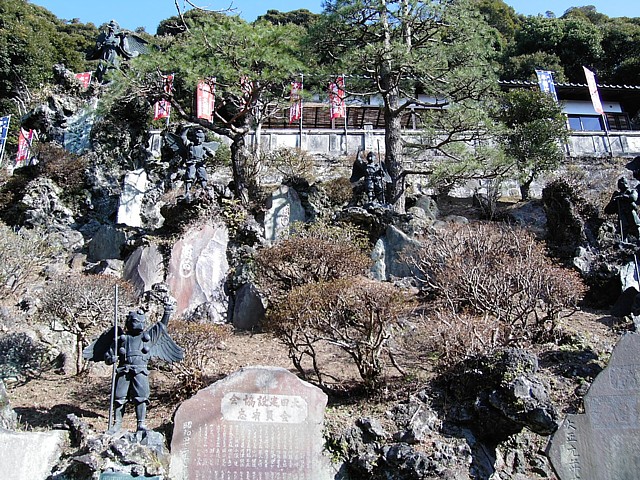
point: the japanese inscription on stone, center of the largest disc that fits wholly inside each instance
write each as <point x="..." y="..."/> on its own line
<point x="604" y="442"/>
<point x="261" y="423"/>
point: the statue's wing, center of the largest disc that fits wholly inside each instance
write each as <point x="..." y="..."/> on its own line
<point x="358" y="170"/>
<point x="136" y="45"/>
<point x="634" y="164"/>
<point x="211" y="146"/>
<point x="95" y="53"/>
<point x="165" y="348"/>
<point x="174" y="143"/>
<point x="96" y="351"/>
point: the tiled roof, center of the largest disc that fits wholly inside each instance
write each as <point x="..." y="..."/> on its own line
<point x="528" y="83"/>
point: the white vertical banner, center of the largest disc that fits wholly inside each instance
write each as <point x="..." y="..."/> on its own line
<point x="593" y="90"/>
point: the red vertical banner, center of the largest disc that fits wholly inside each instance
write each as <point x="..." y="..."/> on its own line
<point x="205" y="98"/>
<point x="295" y="110"/>
<point x="336" y="98"/>
<point x="85" y="78"/>
<point x="162" y="108"/>
<point x="24" y="146"/>
<point x="593" y="90"/>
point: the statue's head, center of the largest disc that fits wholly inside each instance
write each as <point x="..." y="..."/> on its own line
<point x="623" y="184"/>
<point x="113" y="26"/>
<point x="135" y="322"/>
<point x="196" y="135"/>
<point x="371" y="157"/>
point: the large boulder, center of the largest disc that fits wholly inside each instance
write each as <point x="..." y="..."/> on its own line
<point x="501" y="394"/>
<point x="144" y="268"/>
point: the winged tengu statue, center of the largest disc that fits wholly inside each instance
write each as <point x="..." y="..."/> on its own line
<point x="130" y="350"/>
<point x="114" y="44"/>
<point x="193" y="151"/>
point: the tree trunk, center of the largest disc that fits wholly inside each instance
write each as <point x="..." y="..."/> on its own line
<point x="238" y="169"/>
<point x="525" y="187"/>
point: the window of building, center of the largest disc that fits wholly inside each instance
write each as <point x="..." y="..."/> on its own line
<point x="593" y="123"/>
<point x="586" y="123"/>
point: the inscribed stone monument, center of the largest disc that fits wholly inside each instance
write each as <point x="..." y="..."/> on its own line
<point x="283" y="208"/>
<point x="198" y="271"/>
<point x="604" y="442"/>
<point x="260" y="423"/>
<point x="130" y="202"/>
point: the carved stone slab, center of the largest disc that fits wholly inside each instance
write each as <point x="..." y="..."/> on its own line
<point x="260" y="423"/>
<point x="130" y="202"/>
<point x="283" y="208"/>
<point x="604" y="442"/>
<point x="198" y="271"/>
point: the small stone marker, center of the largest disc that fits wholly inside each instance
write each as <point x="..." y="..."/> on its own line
<point x="260" y="423"/>
<point x="604" y="442"/>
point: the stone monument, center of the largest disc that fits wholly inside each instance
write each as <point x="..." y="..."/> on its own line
<point x="198" y="271"/>
<point x="604" y="442"/>
<point x="260" y="423"/>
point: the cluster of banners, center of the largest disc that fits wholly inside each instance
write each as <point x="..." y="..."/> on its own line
<point x="545" y="81"/>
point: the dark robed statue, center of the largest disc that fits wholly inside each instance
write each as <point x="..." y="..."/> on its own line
<point x="624" y="203"/>
<point x="132" y="350"/>
<point x="369" y="176"/>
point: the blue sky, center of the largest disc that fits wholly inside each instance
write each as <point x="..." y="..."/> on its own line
<point x="148" y="13"/>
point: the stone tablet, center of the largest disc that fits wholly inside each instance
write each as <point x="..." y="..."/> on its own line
<point x="283" y="208"/>
<point x="131" y="198"/>
<point x="604" y="442"/>
<point x="260" y="423"/>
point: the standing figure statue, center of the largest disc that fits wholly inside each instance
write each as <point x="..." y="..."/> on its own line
<point x="132" y="348"/>
<point x="194" y="159"/>
<point x="374" y="179"/>
<point x="369" y="176"/>
<point x="193" y="151"/>
<point x="624" y="203"/>
<point x="113" y="44"/>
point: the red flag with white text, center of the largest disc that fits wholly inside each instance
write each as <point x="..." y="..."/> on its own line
<point x="24" y="146"/>
<point x="295" y="110"/>
<point x="336" y="98"/>
<point x="162" y="107"/>
<point x="205" y="98"/>
<point x="85" y="78"/>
